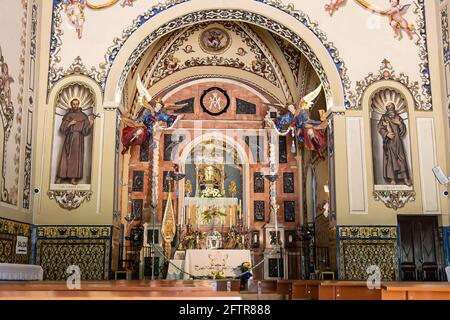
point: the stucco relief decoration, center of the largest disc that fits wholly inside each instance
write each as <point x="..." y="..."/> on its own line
<point x="184" y="50"/>
<point x="72" y="146"/>
<point x="70" y="199"/>
<point x="235" y="15"/>
<point x="6" y="103"/>
<point x="387" y="72"/>
<point x="391" y="149"/>
<point x="12" y="76"/>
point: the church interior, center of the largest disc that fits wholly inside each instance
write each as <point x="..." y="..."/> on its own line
<point x="245" y="149"/>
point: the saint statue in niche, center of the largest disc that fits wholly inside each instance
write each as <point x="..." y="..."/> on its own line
<point x="390" y="140"/>
<point x="75" y="126"/>
<point x="392" y="128"/>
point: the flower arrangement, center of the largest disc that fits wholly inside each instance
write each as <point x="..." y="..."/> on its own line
<point x="211" y="193"/>
<point x="217" y="275"/>
<point x="191" y="237"/>
<point x="246" y="267"/>
<point x="211" y="213"/>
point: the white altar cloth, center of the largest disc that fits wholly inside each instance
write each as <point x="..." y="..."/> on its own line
<point x="212" y="202"/>
<point x="175" y="270"/>
<point x="21" y="272"/>
<point x="201" y="263"/>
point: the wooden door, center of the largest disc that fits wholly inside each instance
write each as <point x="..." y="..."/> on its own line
<point x="418" y="243"/>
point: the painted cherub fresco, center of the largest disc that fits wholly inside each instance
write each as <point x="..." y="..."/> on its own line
<point x="155" y="113"/>
<point x="75" y="12"/>
<point x="128" y="3"/>
<point x="396" y="19"/>
<point x="296" y="119"/>
<point x="395" y="13"/>
<point x="334" y="5"/>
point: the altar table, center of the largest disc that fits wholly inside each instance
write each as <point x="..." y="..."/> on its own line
<point x="10" y="271"/>
<point x="202" y="263"/>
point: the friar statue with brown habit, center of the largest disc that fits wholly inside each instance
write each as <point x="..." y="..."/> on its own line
<point x="75" y="126"/>
<point x="392" y="129"/>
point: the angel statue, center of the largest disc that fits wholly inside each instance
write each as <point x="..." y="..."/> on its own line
<point x="294" y="119"/>
<point x="137" y="131"/>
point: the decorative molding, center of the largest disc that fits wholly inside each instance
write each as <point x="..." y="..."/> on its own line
<point x="76" y="68"/>
<point x="228" y="15"/>
<point x="367" y="232"/>
<point x="445" y="35"/>
<point x="70" y="199"/>
<point x="74" y="232"/>
<point x="15" y="227"/>
<point x="395" y="199"/>
<point x="385" y="73"/>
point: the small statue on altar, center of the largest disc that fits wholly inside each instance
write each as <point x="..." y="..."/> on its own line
<point x="296" y="119"/>
<point x="155" y="113"/>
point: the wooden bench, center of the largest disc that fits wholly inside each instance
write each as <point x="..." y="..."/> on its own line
<point x="415" y="291"/>
<point x="262" y="286"/>
<point x="116" y="295"/>
<point x="347" y="290"/>
<point x="306" y="289"/>
<point x="284" y="288"/>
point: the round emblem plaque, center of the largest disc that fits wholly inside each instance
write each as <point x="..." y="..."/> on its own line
<point x="215" y="101"/>
<point x="215" y="41"/>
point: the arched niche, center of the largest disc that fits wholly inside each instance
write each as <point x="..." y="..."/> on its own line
<point x="64" y="152"/>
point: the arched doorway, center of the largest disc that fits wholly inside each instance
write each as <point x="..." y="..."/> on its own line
<point x="252" y="70"/>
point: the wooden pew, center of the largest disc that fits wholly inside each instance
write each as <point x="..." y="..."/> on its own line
<point x="120" y="285"/>
<point x="415" y="291"/>
<point x="116" y="295"/>
<point x="347" y="290"/>
<point x="306" y="289"/>
<point x="284" y="288"/>
<point x="262" y="286"/>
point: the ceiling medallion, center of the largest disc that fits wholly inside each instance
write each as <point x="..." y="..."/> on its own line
<point x="215" y="40"/>
<point x="395" y="199"/>
<point x="215" y="101"/>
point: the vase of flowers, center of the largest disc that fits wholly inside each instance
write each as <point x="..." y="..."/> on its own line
<point x="211" y="193"/>
<point x="246" y="269"/>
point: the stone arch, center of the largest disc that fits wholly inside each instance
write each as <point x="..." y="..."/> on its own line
<point x="302" y="33"/>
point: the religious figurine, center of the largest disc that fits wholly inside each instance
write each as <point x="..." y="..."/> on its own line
<point x="392" y="129"/>
<point x="75" y="126"/>
<point x="396" y="19"/>
<point x="75" y="12"/>
<point x="137" y="130"/>
<point x="296" y="119"/>
<point x="333" y="6"/>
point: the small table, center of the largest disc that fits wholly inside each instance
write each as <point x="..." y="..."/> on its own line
<point x="10" y="271"/>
